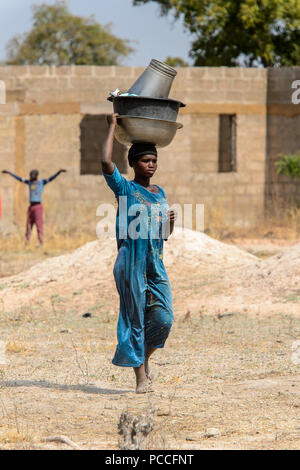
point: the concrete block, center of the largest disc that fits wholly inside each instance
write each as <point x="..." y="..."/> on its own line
<point x="9" y="109"/>
<point x="183" y="73"/>
<point x="233" y="96"/>
<point x="256" y="190"/>
<point x="104" y="71"/>
<point x="254" y="96"/>
<point x="15" y="71"/>
<point x="82" y="70"/>
<point x="63" y="70"/>
<point x="254" y="72"/>
<point x="216" y="72"/>
<point x="198" y="72"/>
<point x="233" y="72"/>
<point x="38" y="70"/>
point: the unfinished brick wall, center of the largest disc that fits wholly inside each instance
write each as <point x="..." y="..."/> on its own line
<point x="234" y="198"/>
<point x="283" y="125"/>
<point x="40" y="127"/>
<point x="8" y="153"/>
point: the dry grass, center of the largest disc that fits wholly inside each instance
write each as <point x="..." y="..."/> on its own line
<point x="14" y="437"/>
<point x="16" y="256"/>
<point x="283" y="223"/>
<point x="232" y="372"/>
<point x="55" y="241"/>
<point x="15" y="347"/>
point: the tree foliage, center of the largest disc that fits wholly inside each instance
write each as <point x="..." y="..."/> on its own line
<point x="59" y="38"/>
<point x="176" y="62"/>
<point x="239" y="32"/>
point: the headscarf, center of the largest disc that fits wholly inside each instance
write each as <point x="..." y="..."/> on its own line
<point x="139" y="149"/>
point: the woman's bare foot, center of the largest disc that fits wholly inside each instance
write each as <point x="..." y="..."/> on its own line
<point x="147" y="371"/>
<point x="143" y="386"/>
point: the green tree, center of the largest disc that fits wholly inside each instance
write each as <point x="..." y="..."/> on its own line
<point x="59" y="38"/>
<point x="176" y="62"/>
<point x="239" y="32"/>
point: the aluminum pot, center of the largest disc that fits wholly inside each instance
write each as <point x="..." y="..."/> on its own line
<point x="132" y="129"/>
<point x="155" y="81"/>
<point x="140" y="106"/>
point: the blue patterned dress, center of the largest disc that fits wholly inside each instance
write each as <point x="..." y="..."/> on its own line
<point x="146" y="312"/>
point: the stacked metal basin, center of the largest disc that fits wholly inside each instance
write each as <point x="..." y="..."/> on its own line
<point x="146" y="114"/>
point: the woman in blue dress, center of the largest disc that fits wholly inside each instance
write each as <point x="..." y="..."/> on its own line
<point x="143" y="222"/>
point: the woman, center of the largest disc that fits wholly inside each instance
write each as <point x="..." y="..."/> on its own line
<point x="146" y="312"/>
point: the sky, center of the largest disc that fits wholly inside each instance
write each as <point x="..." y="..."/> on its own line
<point x="154" y="37"/>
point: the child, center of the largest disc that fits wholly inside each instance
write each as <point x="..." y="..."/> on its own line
<point x="146" y="312"/>
<point x="35" y="209"/>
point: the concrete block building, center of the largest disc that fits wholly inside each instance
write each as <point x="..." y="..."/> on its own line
<point x="236" y="122"/>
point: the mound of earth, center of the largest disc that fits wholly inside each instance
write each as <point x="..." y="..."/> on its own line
<point x="214" y="276"/>
<point x="276" y="275"/>
<point x="185" y="247"/>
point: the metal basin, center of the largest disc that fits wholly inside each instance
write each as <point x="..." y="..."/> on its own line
<point x="155" y="81"/>
<point x="140" y="106"/>
<point x="132" y="129"/>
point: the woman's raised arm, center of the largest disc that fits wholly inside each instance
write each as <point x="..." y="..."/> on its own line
<point x="107" y="149"/>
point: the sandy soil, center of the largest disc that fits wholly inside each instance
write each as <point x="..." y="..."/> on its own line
<point x="231" y="362"/>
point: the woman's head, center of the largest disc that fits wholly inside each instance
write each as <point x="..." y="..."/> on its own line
<point x="142" y="158"/>
<point x="34" y="174"/>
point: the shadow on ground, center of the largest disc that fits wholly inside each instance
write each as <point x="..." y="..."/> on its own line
<point x="44" y="384"/>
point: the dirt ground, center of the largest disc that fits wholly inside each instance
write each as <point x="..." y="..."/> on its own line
<point x="228" y="378"/>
